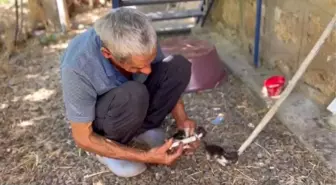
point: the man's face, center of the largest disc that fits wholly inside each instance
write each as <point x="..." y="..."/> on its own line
<point x="135" y="64"/>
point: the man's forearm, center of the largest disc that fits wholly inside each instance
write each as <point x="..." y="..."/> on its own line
<point x="179" y="113"/>
<point x="97" y="144"/>
<point x="107" y="148"/>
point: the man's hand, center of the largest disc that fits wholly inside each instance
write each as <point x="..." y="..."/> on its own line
<point x="159" y="155"/>
<point x="186" y="124"/>
<point x="189" y="127"/>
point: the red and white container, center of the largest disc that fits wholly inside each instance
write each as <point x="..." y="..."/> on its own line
<point x="273" y="86"/>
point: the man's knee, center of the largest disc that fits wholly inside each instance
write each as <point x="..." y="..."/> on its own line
<point x="135" y="88"/>
<point x="129" y="96"/>
<point x="121" y="111"/>
<point x="136" y="97"/>
<point x="180" y="69"/>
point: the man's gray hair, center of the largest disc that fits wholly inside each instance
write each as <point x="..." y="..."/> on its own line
<point x="126" y="32"/>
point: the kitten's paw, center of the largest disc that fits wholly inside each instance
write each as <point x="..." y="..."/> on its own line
<point x="222" y="161"/>
<point x="208" y="157"/>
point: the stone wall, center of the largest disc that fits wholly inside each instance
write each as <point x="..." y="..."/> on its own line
<point x="289" y="31"/>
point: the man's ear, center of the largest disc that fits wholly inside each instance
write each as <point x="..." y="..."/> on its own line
<point x="106" y="53"/>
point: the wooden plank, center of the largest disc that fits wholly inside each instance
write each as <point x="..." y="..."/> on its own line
<point x="175" y="29"/>
<point x="150" y="2"/>
<point x="63" y="15"/>
<point x="159" y="16"/>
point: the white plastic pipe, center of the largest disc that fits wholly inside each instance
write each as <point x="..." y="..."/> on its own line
<point x="186" y="140"/>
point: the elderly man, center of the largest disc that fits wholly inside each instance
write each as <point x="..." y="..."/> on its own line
<point x="118" y="87"/>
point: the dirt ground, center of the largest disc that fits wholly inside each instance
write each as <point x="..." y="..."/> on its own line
<point x="37" y="147"/>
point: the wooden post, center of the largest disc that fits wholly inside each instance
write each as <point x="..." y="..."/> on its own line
<point x="63" y="15"/>
<point x="91" y="4"/>
<point x="17" y="22"/>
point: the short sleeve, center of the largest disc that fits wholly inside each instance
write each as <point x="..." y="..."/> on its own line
<point x="79" y="97"/>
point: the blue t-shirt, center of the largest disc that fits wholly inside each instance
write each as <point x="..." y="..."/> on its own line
<point x="87" y="74"/>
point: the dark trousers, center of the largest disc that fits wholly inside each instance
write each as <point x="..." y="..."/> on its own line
<point x="133" y="107"/>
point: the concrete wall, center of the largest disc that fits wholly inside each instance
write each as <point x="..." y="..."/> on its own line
<point x="289" y="30"/>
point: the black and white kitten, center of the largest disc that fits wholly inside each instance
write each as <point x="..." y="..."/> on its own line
<point x="179" y="135"/>
<point x="212" y="151"/>
<point x="215" y="152"/>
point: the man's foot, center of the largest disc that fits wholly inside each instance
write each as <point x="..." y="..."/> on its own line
<point x="123" y="168"/>
<point x="152" y="138"/>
